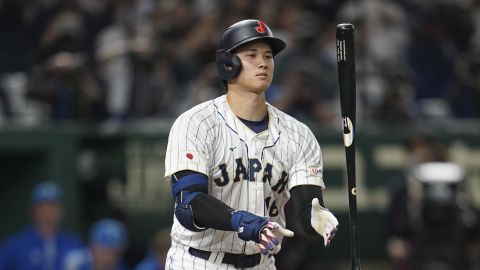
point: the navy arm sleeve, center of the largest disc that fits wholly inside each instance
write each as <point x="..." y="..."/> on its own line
<point x="302" y="197"/>
<point x="208" y="211"/>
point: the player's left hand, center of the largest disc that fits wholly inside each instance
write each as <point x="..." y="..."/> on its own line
<point x="269" y="236"/>
<point x="324" y="222"/>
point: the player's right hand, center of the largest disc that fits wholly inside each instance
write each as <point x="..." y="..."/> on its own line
<point x="251" y="227"/>
<point x="269" y="236"/>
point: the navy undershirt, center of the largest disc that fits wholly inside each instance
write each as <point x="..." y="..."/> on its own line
<point x="256" y="126"/>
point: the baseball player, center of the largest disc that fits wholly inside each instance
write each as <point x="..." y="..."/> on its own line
<point x="233" y="163"/>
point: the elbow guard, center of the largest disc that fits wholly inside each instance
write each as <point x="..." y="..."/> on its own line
<point x="184" y="191"/>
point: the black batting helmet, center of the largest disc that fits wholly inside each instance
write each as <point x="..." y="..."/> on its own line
<point x="228" y="64"/>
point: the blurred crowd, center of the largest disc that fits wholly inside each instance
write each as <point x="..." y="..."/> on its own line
<point x="96" y="60"/>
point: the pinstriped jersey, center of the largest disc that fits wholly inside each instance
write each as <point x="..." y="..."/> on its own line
<point x="246" y="170"/>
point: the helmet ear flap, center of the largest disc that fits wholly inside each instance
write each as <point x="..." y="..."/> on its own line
<point x="228" y="65"/>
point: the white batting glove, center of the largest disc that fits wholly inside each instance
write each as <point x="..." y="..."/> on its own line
<point x="323" y="221"/>
<point x="269" y="236"/>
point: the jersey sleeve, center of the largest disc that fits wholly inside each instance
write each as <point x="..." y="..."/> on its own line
<point x="307" y="166"/>
<point x="187" y="147"/>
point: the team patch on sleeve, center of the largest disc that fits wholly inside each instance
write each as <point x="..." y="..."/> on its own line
<point x="314" y="170"/>
<point x="189" y="156"/>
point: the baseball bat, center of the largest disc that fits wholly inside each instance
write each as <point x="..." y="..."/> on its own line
<point x="346" y="84"/>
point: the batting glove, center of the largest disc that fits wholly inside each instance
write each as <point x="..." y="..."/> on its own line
<point x="251" y="227"/>
<point x="324" y="222"/>
<point x="269" y="238"/>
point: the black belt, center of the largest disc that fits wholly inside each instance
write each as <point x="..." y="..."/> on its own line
<point x="237" y="260"/>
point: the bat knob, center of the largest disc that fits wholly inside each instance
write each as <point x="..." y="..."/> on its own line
<point x="345" y="26"/>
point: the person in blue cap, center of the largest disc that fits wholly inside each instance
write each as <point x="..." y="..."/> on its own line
<point x="107" y="243"/>
<point x="44" y="244"/>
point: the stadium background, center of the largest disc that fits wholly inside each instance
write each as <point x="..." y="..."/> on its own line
<point x="89" y="89"/>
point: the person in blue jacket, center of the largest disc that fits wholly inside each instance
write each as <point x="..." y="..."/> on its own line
<point x="44" y="244"/>
<point x="107" y="242"/>
<point x="156" y="257"/>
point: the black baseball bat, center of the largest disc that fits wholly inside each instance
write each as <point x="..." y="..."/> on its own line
<point x="346" y="84"/>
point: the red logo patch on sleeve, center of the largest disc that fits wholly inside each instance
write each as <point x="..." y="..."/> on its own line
<point x="315" y="170"/>
<point x="189" y="156"/>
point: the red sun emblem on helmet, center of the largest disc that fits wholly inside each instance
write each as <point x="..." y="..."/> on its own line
<point x="261" y="28"/>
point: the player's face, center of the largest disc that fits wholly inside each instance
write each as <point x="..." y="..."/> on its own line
<point x="257" y="66"/>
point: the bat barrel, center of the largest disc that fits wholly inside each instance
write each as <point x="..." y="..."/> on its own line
<point x="346" y="69"/>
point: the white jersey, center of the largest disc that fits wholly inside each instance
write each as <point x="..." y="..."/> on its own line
<point x="246" y="170"/>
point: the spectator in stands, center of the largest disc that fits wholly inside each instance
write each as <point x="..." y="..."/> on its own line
<point x="44" y="245"/>
<point x="21" y="23"/>
<point x="464" y="93"/>
<point x="63" y="80"/>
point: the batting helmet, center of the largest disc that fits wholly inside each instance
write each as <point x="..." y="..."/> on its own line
<point x="240" y="33"/>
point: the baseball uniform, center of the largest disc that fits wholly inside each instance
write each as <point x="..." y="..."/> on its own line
<point x="246" y="170"/>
